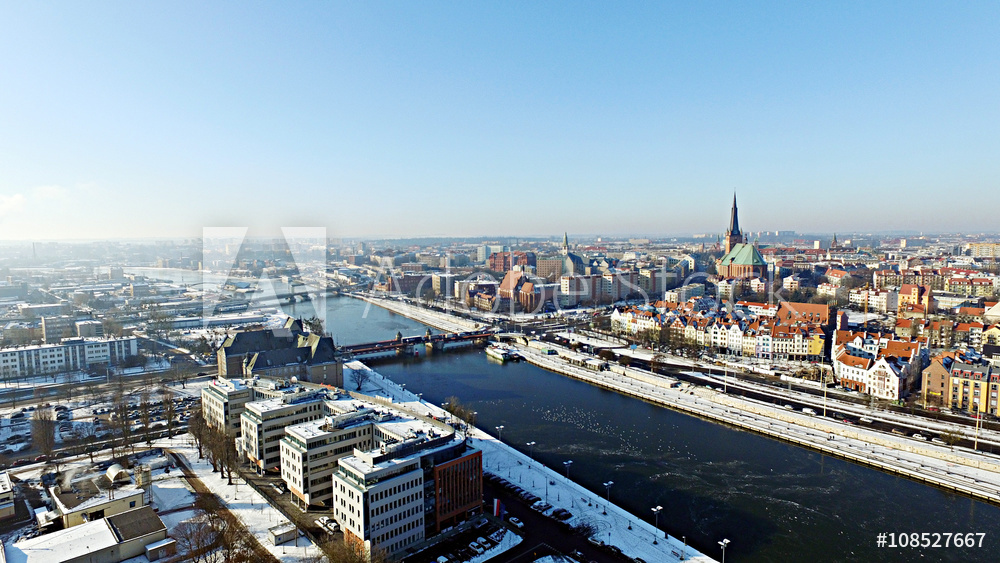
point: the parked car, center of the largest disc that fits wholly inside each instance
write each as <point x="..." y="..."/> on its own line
<point x="516" y="522"/>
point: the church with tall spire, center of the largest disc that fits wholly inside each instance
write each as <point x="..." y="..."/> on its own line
<point x="734" y="236"/>
<point x="741" y="259"/>
<point x="572" y="264"/>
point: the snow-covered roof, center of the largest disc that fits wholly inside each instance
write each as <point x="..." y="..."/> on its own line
<point x="62" y="545"/>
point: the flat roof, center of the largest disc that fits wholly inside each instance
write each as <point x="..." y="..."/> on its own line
<point x="63" y="545"/>
<point x="364" y="468"/>
<point x="309" y="430"/>
<point x="88" y="492"/>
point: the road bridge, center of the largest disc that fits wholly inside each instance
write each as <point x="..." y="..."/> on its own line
<point x="409" y="346"/>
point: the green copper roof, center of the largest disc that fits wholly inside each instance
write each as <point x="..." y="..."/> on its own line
<point x="743" y="255"/>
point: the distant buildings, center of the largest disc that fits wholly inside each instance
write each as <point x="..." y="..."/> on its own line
<point x="797" y="332"/>
<point x="504" y="261"/>
<point x="70" y="355"/>
<point x="984" y="249"/>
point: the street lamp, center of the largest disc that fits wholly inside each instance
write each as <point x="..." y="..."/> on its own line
<point x="531" y="447"/>
<point x="724" y="543"/>
<point x="499" y="432"/>
<point x="567" y="464"/>
<point x="656" y="522"/>
<point x="607" y="486"/>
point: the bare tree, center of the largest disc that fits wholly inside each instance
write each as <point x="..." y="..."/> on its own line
<point x="340" y="551"/>
<point x="951" y="437"/>
<point x="89" y="438"/>
<point x="43" y="431"/>
<point x="238" y="545"/>
<point x="169" y="408"/>
<point x="145" y="415"/>
<point x="230" y="457"/>
<point x="361" y="377"/>
<point x="196" y="539"/>
<point x="121" y="425"/>
<point x="199" y="430"/>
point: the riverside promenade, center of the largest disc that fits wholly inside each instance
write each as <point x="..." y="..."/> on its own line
<point x="961" y="470"/>
<point x="438" y="320"/>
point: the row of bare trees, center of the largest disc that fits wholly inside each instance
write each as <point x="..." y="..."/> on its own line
<point x="132" y="423"/>
<point x="215" y="445"/>
<point x="459" y="411"/>
<point x="219" y="449"/>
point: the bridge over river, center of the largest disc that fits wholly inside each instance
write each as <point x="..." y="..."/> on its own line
<point x="409" y="346"/>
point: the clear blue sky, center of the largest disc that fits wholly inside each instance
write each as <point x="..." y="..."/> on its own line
<point x="465" y="118"/>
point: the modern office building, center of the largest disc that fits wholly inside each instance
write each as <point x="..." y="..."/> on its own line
<point x="309" y="451"/>
<point x="263" y="424"/>
<point x="416" y="481"/>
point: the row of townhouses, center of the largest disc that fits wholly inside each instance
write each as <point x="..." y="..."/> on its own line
<point x="789" y="331"/>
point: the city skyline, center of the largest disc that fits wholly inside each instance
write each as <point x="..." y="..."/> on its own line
<point x="392" y="120"/>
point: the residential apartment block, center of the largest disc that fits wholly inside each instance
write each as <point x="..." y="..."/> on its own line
<point x="70" y="355"/>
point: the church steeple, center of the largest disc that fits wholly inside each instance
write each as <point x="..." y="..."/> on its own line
<point x="734" y="220"/>
<point x="565" y="248"/>
<point x="734" y="236"/>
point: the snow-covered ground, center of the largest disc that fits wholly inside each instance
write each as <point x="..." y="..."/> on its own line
<point x="170" y="491"/>
<point x="250" y="507"/>
<point x="437" y="319"/>
<point x="152" y="366"/>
